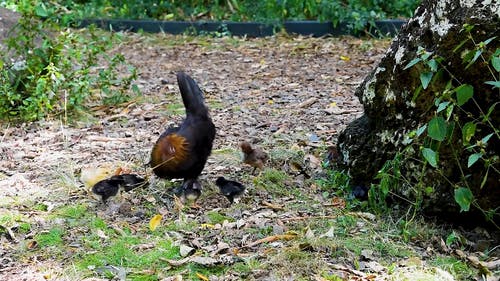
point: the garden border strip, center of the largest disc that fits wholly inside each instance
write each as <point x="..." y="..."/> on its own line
<point x="250" y="29"/>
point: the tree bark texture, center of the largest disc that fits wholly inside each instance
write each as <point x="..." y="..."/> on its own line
<point x="391" y="109"/>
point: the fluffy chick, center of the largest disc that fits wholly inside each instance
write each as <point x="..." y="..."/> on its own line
<point x="191" y="191"/>
<point x="110" y="187"/>
<point x="254" y="157"/>
<point x="231" y="189"/>
<point x="107" y="188"/>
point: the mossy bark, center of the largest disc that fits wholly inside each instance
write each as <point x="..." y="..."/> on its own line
<point x="392" y="109"/>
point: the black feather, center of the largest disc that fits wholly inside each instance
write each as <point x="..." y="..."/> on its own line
<point x="230" y="189"/>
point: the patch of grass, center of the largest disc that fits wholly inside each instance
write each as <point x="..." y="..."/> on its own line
<point x="206" y="271"/>
<point x="53" y="237"/>
<point x="125" y="252"/>
<point x="273" y="181"/>
<point x="216" y="105"/>
<point x="458" y="268"/>
<point x="296" y="263"/>
<point x="73" y="212"/>
<point x="186" y="225"/>
<point x="246" y="267"/>
<point x="175" y="109"/>
<point x="215" y="217"/>
<point x="344" y="224"/>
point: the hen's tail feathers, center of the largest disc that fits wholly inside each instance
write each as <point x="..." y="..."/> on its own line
<point x="192" y="96"/>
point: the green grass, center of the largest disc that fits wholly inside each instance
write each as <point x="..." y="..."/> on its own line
<point x="215" y="217"/>
<point x="175" y="108"/>
<point x="73" y="212"/>
<point x="53" y="237"/>
<point x="460" y="269"/>
<point x="273" y="181"/>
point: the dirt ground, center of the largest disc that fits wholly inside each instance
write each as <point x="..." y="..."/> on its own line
<point x="297" y="92"/>
<point x="274" y="92"/>
<point x="291" y="93"/>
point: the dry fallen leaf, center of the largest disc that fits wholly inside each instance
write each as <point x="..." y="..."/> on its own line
<point x="201" y="276"/>
<point x="272" y="239"/>
<point x="154" y="222"/>
<point x="345" y="58"/>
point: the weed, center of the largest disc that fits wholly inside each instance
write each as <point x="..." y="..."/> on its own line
<point x="461" y="129"/>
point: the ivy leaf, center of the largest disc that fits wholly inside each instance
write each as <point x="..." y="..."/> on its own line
<point x="431" y="156"/>
<point x="490" y="110"/>
<point x="473" y="159"/>
<point x="463" y="196"/>
<point x="486" y="138"/>
<point x="495" y="61"/>
<point x="495" y="84"/>
<point x="437" y="128"/>
<point x="442" y="106"/>
<point x="468" y="131"/>
<point x="473" y="60"/>
<point x="433" y="65"/>
<point x="464" y="93"/>
<point x="425" y="79"/>
<point x="421" y="130"/>
<point x="412" y="63"/>
<point x="41" y="11"/>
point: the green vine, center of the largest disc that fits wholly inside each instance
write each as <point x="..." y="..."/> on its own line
<point x="460" y="126"/>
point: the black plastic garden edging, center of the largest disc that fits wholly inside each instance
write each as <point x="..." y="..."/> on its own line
<point x="251" y="29"/>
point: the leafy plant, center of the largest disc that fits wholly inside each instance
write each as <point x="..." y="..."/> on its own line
<point x="357" y="12"/>
<point x="47" y="71"/>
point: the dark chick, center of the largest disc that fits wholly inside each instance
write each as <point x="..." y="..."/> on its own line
<point x="131" y="181"/>
<point x="110" y="187"/>
<point x="107" y="188"/>
<point x="230" y="189"/>
<point x="182" y="152"/>
<point x="254" y="157"/>
<point x="191" y="191"/>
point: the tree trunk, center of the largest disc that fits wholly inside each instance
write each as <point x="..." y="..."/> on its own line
<point x="394" y="106"/>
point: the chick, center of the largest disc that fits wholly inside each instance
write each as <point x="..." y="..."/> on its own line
<point x="89" y="176"/>
<point x="191" y="192"/>
<point x="254" y="157"/>
<point x="231" y="189"/>
<point x="110" y="187"/>
<point x="131" y="181"/>
<point x="107" y="188"/>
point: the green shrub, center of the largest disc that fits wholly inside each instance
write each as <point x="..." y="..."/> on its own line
<point x="48" y="71"/>
<point x="357" y="12"/>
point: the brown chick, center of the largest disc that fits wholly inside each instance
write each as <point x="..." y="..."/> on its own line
<point x="254" y="157"/>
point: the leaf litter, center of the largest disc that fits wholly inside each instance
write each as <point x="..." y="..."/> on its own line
<point x="290" y="95"/>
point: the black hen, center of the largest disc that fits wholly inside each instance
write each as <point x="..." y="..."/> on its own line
<point x="182" y="152"/>
<point x="230" y="189"/>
